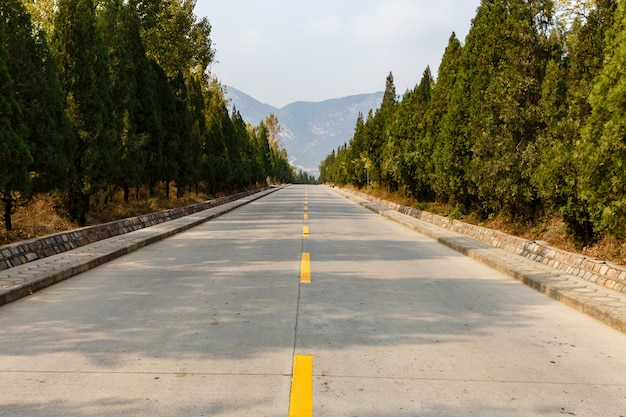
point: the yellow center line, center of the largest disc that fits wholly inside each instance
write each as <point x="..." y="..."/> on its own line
<point x="305" y="268"/>
<point x="305" y="231"/>
<point x="301" y="399"/>
<point x="306" y="216"/>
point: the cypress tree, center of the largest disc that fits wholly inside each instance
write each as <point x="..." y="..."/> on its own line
<point x="14" y="153"/>
<point x="505" y="48"/>
<point x="603" y="143"/>
<point x="128" y="71"/>
<point x="417" y="149"/>
<point x="375" y="134"/>
<point x="448" y="174"/>
<point x="84" y="76"/>
<point x="357" y="171"/>
<point x="453" y="144"/>
<point x="38" y="93"/>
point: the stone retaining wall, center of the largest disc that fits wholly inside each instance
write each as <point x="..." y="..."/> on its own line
<point x="604" y="273"/>
<point x="29" y="250"/>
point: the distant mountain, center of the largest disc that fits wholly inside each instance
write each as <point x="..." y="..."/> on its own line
<point x="311" y="129"/>
<point x="251" y="109"/>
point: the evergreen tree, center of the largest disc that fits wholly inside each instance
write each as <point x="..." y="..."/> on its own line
<point x="33" y="71"/>
<point x="564" y="109"/>
<point x="217" y="169"/>
<point x="356" y="169"/>
<point x="128" y="69"/>
<point x="84" y="76"/>
<point x="374" y="137"/>
<point x="14" y="153"/>
<point x="417" y="150"/>
<point x="453" y="142"/>
<point x="603" y="143"/>
<point x="448" y="177"/>
<point x="507" y="58"/>
<point x="246" y="173"/>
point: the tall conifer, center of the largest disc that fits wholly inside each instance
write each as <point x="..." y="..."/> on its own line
<point x="603" y="144"/>
<point x="506" y="57"/>
<point x="447" y="157"/>
<point x="38" y="93"/>
<point x="84" y="76"/>
<point x="14" y="153"/>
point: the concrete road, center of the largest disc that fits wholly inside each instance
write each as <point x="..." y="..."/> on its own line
<point x="208" y="323"/>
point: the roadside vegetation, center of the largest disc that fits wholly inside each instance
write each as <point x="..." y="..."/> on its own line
<point x="108" y="108"/>
<point x="521" y="130"/>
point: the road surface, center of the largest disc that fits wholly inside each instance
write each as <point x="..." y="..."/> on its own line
<point x="381" y="321"/>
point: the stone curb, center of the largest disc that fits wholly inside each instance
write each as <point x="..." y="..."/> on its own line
<point x="26" y="251"/>
<point x="604" y="273"/>
<point x="597" y="301"/>
<point x="23" y="280"/>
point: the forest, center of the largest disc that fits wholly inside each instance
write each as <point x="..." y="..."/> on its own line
<point x="525" y="119"/>
<point x="100" y="96"/>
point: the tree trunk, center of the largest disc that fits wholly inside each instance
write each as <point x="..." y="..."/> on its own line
<point x="8" y="207"/>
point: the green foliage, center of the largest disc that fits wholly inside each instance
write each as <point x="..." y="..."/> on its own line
<point x="14" y="153"/>
<point x="603" y="141"/>
<point x="525" y="119"/>
<point x="506" y="54"/>
<point x="305" y="178"/>
<point x="114" y="93"/>
<point x="84" y="75"/>
<point x="447" y="121"/>
<point x="38" y="92"/>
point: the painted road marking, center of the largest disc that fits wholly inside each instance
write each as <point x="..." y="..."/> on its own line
<point x="306" y="216"/>
<point x="306" y="208"/>
<point x="305" y="231"/>
<point x="301" y="400"/>
<point x="305" y="268"/>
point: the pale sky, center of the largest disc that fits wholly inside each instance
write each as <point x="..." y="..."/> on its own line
<point x="281" y="51"/>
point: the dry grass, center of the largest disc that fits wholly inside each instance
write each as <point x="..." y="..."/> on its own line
<point x="44" y="215"/>
<point x="102" y="212"/>
<point x="551" y="230"/>
<point x="39" y="218"/>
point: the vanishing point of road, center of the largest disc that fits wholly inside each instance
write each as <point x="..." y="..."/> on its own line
<point x="303" y="303"/>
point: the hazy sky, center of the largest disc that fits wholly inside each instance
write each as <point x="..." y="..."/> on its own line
<point x="281" y="51"/>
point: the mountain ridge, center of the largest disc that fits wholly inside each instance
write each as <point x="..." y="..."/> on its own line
<point x="311" y="130"/>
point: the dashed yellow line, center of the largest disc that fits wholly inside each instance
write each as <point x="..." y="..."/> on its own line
<point x="305" y="268"/>
<point x="301" y="399"/>
<point x="305" y="231"/>
<point x="306" y="216"/>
